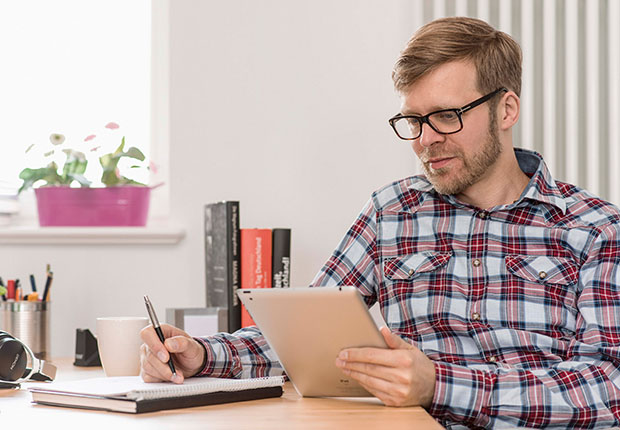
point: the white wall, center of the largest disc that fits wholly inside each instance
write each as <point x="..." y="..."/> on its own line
<point x="280" y="104"/>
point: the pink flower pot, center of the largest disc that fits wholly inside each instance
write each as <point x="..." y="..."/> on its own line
<point x="113" y="206"/>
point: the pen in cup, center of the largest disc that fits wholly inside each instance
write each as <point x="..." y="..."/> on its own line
<point x="155" y="322"/>
<point x="48" y="285"/>
<point x="33" y="284"/>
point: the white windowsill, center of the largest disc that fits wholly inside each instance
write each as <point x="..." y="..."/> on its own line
<point x="35" y="235"/>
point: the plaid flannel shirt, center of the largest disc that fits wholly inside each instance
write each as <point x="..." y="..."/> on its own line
<point x="518" y="306"/>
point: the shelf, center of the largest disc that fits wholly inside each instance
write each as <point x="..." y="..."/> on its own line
<point x="35" y="235"/>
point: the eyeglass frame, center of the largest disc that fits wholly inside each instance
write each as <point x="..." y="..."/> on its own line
<point x="459" y="112"/>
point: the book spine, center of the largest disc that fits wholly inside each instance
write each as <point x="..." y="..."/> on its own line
<point x="222" y="259"/>
<point x="234" y="267"/>
<point x="255" y="264"/>
<point x="281" y="262"/>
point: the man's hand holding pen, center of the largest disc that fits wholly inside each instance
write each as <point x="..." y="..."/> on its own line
<point x="187" y="354"/>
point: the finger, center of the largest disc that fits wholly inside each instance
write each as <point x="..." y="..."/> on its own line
<point x="378" y="356"/>
<point x="393" y="340"/>
<point x="385" y="373"/>
<point x="152" y="342"/>
<point x="146" y="377"/>
<point x="176" y="341"/>
<point x="171" y="331"/>
<point x="187" y="352"/>
<point x="149" y="336"/>
<point x="377" y="386"/>
<point x="152" y="369"/>
<point x="180" y="345"/>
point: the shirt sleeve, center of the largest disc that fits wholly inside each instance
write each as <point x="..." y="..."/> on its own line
<point x="355" y="261"/>
<point x="582" y="390"/>
<point x="243" y="354"/>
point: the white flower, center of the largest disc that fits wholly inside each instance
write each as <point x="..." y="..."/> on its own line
<point x="56" y="138"/>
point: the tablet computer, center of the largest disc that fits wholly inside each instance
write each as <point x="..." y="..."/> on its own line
<point x="308" y="327"/>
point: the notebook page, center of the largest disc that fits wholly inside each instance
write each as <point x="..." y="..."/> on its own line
<point x="133" y="387"/>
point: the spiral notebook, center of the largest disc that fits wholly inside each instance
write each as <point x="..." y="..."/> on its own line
<point x="132" y="395"/>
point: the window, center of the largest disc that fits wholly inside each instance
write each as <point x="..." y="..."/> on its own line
<point x="71" y="67"/>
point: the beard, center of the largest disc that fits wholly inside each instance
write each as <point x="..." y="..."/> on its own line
<point x="473" y="167"/>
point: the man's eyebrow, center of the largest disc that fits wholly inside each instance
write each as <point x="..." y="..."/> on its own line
<point x="406" y="112"/>
<point x="433" y="109"/>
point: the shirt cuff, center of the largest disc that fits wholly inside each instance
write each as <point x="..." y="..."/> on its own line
<point x="461" y="395"/>
<point x="221" y="360"/>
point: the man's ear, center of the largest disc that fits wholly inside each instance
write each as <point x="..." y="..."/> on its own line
<point x="509" y="108"/>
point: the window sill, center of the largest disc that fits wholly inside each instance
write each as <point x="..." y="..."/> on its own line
<point x="35" y="235"/>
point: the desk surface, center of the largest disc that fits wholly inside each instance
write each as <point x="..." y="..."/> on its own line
<point x="288" y="412"/>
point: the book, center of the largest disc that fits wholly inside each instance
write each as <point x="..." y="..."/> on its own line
<point x="132" y="395"/>
<point x="281" y="258"/>
<point x="255" y="264"/>
<point x="222" y="259"/>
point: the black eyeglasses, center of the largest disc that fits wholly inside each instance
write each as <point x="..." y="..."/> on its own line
<point x="445" y="121"/>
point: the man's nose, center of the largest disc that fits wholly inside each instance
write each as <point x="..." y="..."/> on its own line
<point x="429" y="136"/>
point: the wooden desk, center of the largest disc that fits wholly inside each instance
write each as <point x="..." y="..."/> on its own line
<point x="288" y="412"/>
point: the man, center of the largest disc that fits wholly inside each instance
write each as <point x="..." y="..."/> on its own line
<point x="499" y="285"/>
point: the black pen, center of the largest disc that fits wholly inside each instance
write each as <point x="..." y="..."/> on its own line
<point x="155" y="322"/>
<point x="48" y="284"/>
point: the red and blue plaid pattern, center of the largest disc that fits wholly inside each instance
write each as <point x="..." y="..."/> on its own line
<point x="518" y="305"/>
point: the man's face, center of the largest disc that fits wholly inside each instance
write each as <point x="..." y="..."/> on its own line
<point x="453" y="162"/>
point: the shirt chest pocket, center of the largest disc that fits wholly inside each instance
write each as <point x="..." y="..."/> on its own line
<point x="407" y="267"/>
<point x="544" y="286"/>
<point x="416" y="287"/>
<point x="543" y="269"/>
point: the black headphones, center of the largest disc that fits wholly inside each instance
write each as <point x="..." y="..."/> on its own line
<point x="15" y="356"/>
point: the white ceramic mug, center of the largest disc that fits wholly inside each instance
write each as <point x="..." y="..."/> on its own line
<point x="119" y="341"/>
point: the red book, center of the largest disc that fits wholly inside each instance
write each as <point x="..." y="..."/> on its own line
<point x="255" y="264"/>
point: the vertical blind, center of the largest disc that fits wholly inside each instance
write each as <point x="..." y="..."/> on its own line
<point x="570" y="98"/>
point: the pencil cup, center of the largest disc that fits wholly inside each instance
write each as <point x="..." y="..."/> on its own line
<point x="30" y="323"/>
<point x="118" y="339"/>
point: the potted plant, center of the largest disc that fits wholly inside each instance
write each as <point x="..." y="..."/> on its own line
<point x="66" y="198"/>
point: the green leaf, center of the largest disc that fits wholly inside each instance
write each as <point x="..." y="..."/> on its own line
<point x="126" y="181"/>
<point x="134" y="152"/>
<point x="121" y="147"/>
<point x="110" y="178"/>
<point x="75" y="163"/>
<point x="48" y="174"/>
<point x="81" y="179"/>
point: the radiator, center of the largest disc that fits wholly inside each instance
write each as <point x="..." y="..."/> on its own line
<point x="570" y="98"/>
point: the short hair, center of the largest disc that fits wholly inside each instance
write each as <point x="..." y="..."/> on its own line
<point x="496" y="56"/>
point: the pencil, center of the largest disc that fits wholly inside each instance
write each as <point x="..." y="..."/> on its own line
<point x="48" y="284"/>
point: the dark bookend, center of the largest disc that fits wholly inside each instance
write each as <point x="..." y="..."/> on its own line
<point x="281" y="261"/>
<point x="222" y="256"/>
<point x="255" y="263"/>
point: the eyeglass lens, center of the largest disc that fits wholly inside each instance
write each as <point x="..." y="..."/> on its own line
<point x="445" y="121"/>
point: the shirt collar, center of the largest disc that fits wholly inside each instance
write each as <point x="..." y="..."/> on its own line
<point x="541" y="187"/>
